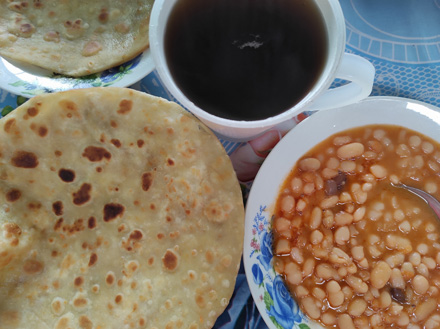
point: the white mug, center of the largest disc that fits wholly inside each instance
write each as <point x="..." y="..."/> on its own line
<point x="356" y="70"/>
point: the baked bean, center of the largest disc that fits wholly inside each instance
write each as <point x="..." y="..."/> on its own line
<point x="433" y="322"/>
<point x="378" y="171"/>
<point x="380" y="274"/>
<point x="301" y="205"/>
<point x="332" y="163"/>
<point x="405" y="227"/>
<point x="341" y="140"/>
<point x="287" y="204"/>
<point x="316" y="237"/>
<point x="282" y="224"/>
<point x="329" y="173"/>
<point x="345" y="321"/>
<point x="342" y="218"/>
<point x="350" y="151"/>
<point x="329" y="202"/>
<point x="415" y="258"/>
<point x="427" y="147"/>
<point x="355" y="252"/>
<point x="296" y="185"/>
<point x="385" y="299"/>
<point x="311" y="308"/>
<point x="395" y="260"/>
<point x="315" y="218"/>
<point x="282" y="246"/>
<point x="301" y="291"/>
<point x="415" y="141"/>
<point x="407" y="271"/>
<point x="396" y="279"/>
<point x="329" y="219"/>
<point x="420" y="284"/>
<point x="398" y="243"/>
<point x="431" y="187"/>
<point x="309" y="267"/>
<point x="318" y="293"/>
<point x="342" y="235"/>
<point x="358" y="253"/>
<point x="335" y="295"/>
<point x="357" y="307"/>
<point x="403" y="319"/>
<point x="309" y="164"/>
<point x="424" y="309"/>
<point x="325" y="271"/>
<point x="328" y="318"/>
<point x="347" y="166"/>
<point x="293" y="273"/>
<point x="422" y="248"/>
<point x="297" y="255"/>
<point x="357" y="284"/>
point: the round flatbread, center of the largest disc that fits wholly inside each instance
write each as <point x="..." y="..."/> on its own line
<point x="74" y="37"/>
<point x="118" y="210"/>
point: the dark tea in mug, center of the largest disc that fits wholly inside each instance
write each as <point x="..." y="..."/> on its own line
<point x="245" y="59"/>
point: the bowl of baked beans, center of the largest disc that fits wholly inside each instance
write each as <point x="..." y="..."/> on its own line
<point x="330" y="240"/>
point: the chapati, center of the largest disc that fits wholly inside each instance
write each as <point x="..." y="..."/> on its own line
<point x="74" y="37"/>
<point x="118" y="210"/>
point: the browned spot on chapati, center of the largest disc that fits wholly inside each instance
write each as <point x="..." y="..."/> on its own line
<point x="125" y="106"/>
<point x="82" y="195"/>
<point x="42" y="131"/>
<point x="32" y="111"/>
<point x="39" y="130"/>
<point x="170" y="260"/>
<point x="95" y="154"/>
<point x="66" y="175"/>
<point x="58" y="224"/>
<point x="91" y="223"/>
<point x="147" y="180"/>
<point x="103" y="15"/>
<point x="57" y="208"/>
<point x="34" y="205"/>
<point x="13" y="195"/>
<point x="78" y="282"/>
<point x="116" y="142"/>
<point x="70" y="108"/>
<point x="140" y="143"/>
<point x="113" y="210"/>
<point x="12" y="228"/>
<point x="76" y="226"/>
<point x="32" y="266"/>
<point x="80" y="302"/>
<point x="85" y="322"/>
<point x="136" y="235"/>
<point x="93" y="259"/>
<point x="9" y="125"/>
<point x="23" y="159"/>
<point x="110" y="278"/>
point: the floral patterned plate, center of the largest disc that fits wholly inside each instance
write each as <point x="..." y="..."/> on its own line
<point x="28" y="80"/>
<point x="276" y="306"/>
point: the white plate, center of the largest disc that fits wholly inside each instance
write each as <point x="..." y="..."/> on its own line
<point x="277" y="307"/>
<point x="29" y="80"/>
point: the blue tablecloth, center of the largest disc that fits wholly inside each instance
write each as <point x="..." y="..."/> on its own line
<point x="402" y="40"/>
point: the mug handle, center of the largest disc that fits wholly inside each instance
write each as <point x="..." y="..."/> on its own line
<point x="360" y="74"/>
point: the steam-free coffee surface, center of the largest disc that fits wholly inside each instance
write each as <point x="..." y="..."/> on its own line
<point x="245" y="59"/>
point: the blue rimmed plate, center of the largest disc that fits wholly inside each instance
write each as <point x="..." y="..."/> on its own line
<point x="273" y="300"/>
<point x="28" y="80"/>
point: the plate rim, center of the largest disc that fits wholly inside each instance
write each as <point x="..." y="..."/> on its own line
<point x="143" y="68"/>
